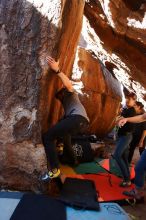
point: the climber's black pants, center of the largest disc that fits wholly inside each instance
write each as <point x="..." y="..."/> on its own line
<point x="65" y="128"/>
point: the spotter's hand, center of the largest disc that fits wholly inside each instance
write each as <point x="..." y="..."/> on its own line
<point x="122" y="122"/>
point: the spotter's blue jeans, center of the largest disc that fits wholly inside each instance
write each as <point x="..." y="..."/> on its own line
<point x="140" y="170"/>
<point x="121" y="154"/>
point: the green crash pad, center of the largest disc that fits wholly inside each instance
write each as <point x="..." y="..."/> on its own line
<point x="95" y="168"/>
<point x="90" y="167"/>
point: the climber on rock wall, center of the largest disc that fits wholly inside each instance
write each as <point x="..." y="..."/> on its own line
<point x="74" y="121"/>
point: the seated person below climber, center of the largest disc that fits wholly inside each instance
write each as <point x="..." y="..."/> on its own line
<point x="84" y="150"/>
<point x="75" y="121"/>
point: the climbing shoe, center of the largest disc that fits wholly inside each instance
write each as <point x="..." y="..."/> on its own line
<point x="50" y="175"/>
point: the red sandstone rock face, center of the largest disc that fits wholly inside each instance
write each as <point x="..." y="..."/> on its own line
<point x="99" y="91"/>
<point x="28" y="33"/>
<point x="121" y="30"/>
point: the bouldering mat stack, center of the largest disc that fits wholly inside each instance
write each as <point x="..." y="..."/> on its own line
<point x="106" y="176"/>
<point x="31" y="207"/>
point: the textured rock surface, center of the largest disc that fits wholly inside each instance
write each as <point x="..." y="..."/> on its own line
<point x="119" y="30"/>
<point x="29" y="32"/>
<point x="99" y="91"/>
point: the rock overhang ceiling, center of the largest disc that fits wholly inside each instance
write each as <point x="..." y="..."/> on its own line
<point x="115" y="31"/>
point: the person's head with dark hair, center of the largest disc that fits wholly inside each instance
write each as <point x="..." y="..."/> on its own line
<point x="139" y="107"/>
<point x="62" y="93"/>
<point x="130" y="99"/>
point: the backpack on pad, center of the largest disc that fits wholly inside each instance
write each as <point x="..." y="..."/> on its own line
<point x="79" y="193"/>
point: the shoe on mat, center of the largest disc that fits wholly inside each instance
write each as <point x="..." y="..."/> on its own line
<point x="134" y="193"/>
<point x="125" y="183"/>
<point x="50" y="175"/>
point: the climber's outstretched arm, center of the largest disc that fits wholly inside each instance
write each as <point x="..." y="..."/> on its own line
<point x="54" y="65"/>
